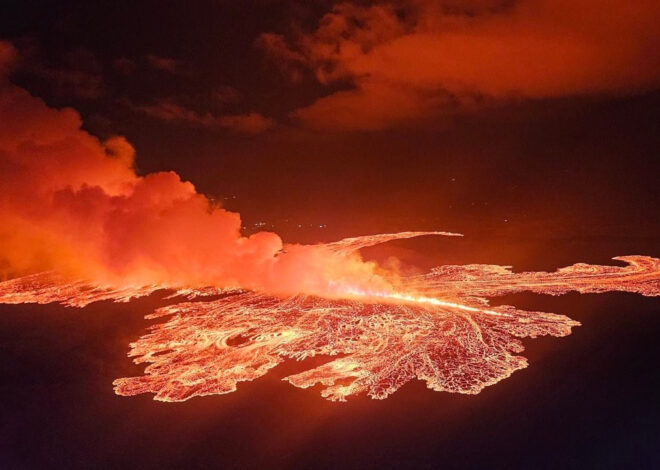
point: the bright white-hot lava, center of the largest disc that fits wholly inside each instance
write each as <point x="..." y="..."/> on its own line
<point x="399" y="297"/>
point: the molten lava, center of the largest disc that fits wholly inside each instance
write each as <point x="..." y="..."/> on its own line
<point x="436" y="327"/>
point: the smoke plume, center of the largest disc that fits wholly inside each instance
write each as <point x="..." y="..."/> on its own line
<point x="74" y="204"/>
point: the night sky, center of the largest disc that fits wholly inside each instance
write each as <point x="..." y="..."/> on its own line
<point x="531" y="126"/>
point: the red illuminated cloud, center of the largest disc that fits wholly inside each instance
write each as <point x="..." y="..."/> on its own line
<point x="408" y="59"/>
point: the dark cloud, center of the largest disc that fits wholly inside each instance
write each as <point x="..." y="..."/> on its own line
<point x="226" y="94"/>
<point x="124" y="65"/>
<point x="169" y="110"/>
<point x="166" y="64"/>
<point x="74" y="74"/>
<point x="289" y="62"/>
<point x="72" y="83"/>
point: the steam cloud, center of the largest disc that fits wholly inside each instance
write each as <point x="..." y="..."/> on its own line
<point x="74" y="204"/>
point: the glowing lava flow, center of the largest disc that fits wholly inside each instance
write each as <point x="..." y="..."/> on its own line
<point x="437" y="327"/>
<point x="417" y="299"/>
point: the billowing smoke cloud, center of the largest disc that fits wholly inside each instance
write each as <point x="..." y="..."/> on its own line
<point x="74" y="204"/>
<point x="408" y="59"/>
